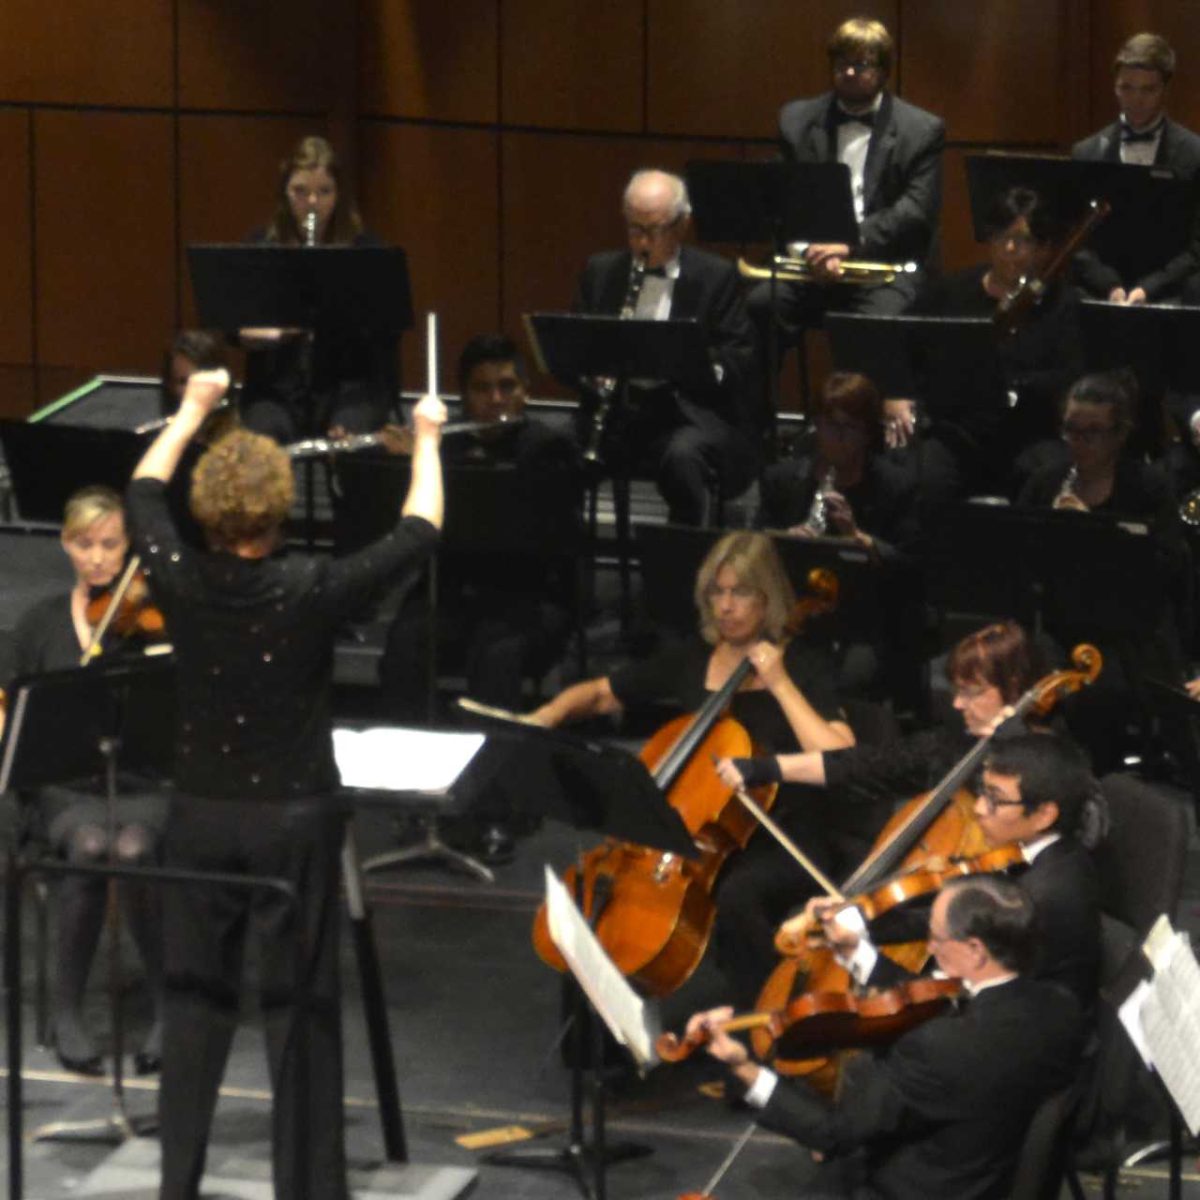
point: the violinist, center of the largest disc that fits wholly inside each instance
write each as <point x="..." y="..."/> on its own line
<point x="255" y="779"/>
<point x="981" y="446"/>
<point x="73" y="818"/>
<point x="743" y="600"/>
<point x="1037" y="792"/>
<point x="944" y="1111"/>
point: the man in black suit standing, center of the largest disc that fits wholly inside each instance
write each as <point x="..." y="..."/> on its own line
<point x="945" y="1110"/>
<point x="894" y="152"/>
<point x="687" y="440"/>
<point x="1142" y="135"/>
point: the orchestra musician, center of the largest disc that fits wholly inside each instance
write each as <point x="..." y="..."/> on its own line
<point x="1038" y="792"/>
<point x="191" y="350"/>
<point x="687" y="440"/>
<point x="743" y="599"/>
<point x="300" y="383"/>
<point x="1101" y="476"/>
<point x="503" y="616"/>
<point x="894" y="152"/>
<point x="1143" y="134"/>
<point x="945" y="1109"/>
<point x="988" y="670"/>
<point x="255" y="779"/>
<point x="73" y="818"/>
<point x="983" y="445"/>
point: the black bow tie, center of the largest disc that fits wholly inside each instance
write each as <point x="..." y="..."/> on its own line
<point x="1146" y="135"/>
<point x="842" y="117"/>
<point x="657" y="272"/>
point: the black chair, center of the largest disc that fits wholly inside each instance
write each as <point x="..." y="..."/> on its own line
<point x="1141" y="865"/>
<point x="1042" y="1163"/>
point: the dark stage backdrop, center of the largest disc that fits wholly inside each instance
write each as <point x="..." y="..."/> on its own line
<point x="490" y="138"/>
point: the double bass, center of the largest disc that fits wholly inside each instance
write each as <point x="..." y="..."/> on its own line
<point x="937" y="827"/>
<point x="653" y="912"/>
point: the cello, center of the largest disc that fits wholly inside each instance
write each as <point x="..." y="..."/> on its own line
<point x="939" y="825"/>
<point x="653" y="912"/>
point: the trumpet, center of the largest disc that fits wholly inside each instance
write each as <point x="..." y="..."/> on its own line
<point x="796" y="270"/>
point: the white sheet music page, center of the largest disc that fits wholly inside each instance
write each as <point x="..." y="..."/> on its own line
<point x="632" y="1021"/>
<point x="1170" y="1018"/>
<point x="390" y="759"/>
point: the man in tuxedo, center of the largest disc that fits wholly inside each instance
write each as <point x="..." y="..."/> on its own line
<point x="894" y="152"/>
<point x="1142" y="135"/>
<point x="1038" y="793"/>
<point x="688" y="440"/>
<point x="944" y="1111"/>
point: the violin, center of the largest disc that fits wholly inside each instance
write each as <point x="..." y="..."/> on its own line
<point x="938" y="826"/>
<point x="826" y="1021"/>
<point x="1015" y="308"/>
<point x="125" y="610"/>
<point x="905" y="887"/>
<point x="653" y="912"/>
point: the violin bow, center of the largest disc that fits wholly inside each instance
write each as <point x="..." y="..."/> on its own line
<point x="114" y="604"/>
<point x="730" y="1158"/>
<point x="768" y="823"/>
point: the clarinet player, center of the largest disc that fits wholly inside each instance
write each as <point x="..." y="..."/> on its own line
<point x="684" y="441"/>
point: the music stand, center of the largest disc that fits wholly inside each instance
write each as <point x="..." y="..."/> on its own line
<point x="777" y="203"/>
<point x="323" y="289"/>
<point x="64" y="725"/>
<point x="589" y="786"/>
<point x="573" y="346"/>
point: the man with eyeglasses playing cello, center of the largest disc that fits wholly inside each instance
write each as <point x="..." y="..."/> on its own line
<point x="945" y="1110"/>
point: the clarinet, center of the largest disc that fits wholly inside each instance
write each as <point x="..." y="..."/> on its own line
<point x="607" y="389"/>
<point x="310" y="228"/>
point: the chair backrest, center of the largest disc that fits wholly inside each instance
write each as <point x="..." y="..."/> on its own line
<point x="873" y="724"/>
<point x="1042" y="1162"/>
<point x="1141" y="861"/>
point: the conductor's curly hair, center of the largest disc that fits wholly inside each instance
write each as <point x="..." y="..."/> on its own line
<point x="242" y="488"/>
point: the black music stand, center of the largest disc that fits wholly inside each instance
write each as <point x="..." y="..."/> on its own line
<point x="573" y="346"/>
<point x="63" y="725"/>
<point x="776" y="203"/>
<point x="323" y="289"/>
<point x="594" y="787"/>
<point x="1152" y="210"/>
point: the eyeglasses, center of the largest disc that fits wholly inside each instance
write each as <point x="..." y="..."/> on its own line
<point x="858" y="66"/>
<point x="995" y="801"/>
<point x="636" y="229"/>
<point x="740" y="591"/>
<point x="1088" y="433"/>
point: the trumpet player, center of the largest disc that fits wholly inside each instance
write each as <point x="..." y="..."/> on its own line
<point x="685" y="440"/>
<point x="894" y="152"/>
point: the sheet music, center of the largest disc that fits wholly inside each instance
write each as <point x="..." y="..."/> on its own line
<point x="632" y="1021"/>
<point x="1169" y="1015"/>
<point x="391" y="759"/>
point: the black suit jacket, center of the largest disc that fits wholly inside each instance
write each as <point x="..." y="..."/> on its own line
<point x="707" y="290"/>
<point x="944" y="1112"/>
<point x="902" y="180"/>
<point x="1178" y="152"/>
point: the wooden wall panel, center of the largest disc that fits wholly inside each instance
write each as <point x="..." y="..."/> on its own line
<point x="16" y="329"/>
<point x="1117" y="20"/>
<point x="269" y="55"/>
<point x="572" y="64"/>
<point x="17" y="391"/>
<point x="436" y="61"/>
<point x="993" y="71"/>
<point x="86" y="52"/>
<point x="228" y="179"/>
<point x="959" y="247"/>
<point x="724" y="69"/>
<point x="105" y="238"/>
<point x="561" y="201"/>
<point x="433" y="191"/>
